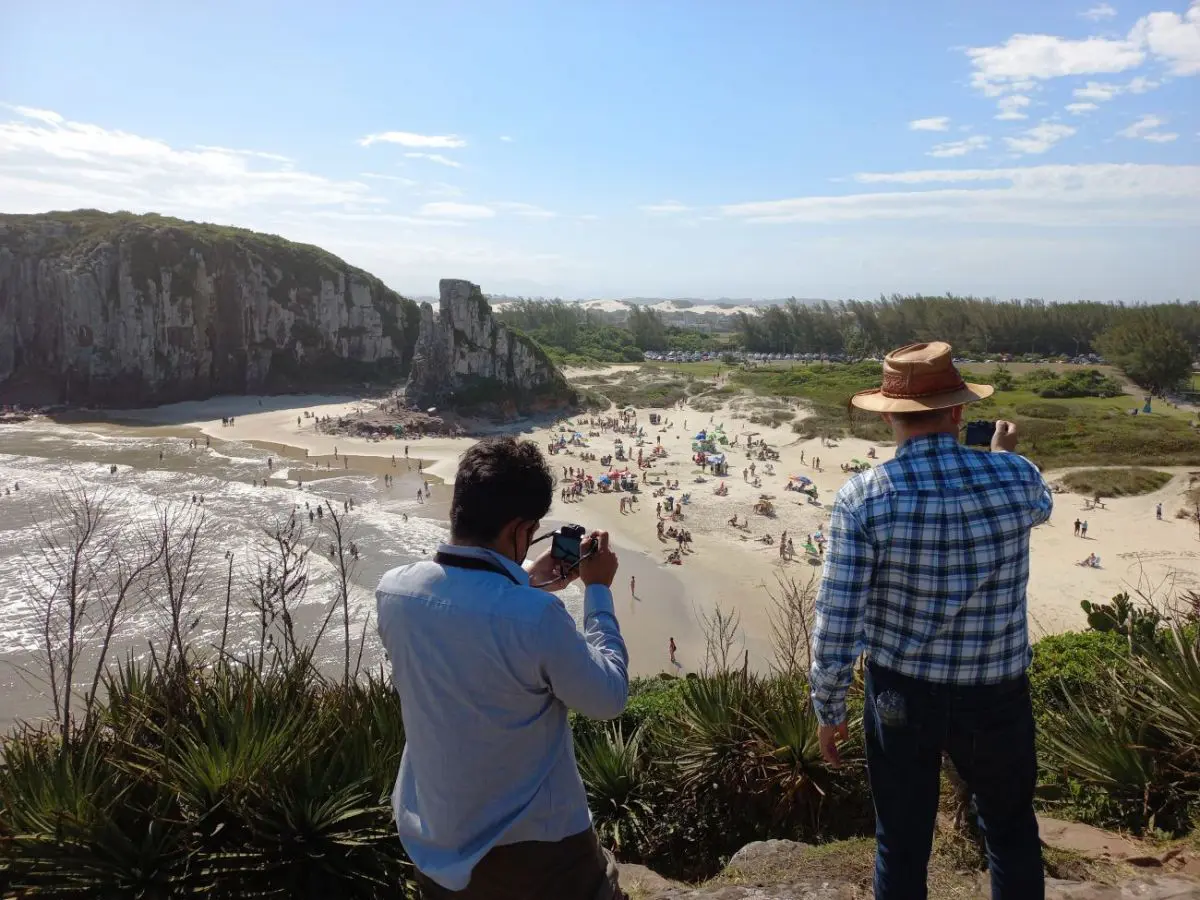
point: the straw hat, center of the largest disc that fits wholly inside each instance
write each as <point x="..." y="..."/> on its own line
<point x="920" y="377"/>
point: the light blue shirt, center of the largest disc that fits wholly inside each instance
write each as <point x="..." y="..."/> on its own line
<point x="486" y="670"/>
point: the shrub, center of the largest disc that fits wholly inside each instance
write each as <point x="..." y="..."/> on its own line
<point x="1132" y="760"/>
<point x="1074" y="664"/>
<point x="1071" y="383"/>
<point x="1042" y="411"/>
<point x="1115" y="482"/>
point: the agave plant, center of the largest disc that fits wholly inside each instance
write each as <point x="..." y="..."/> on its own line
<point x="1171" y="698"/>
<point x="78" y="826"/>
<point x="620" y="785"/>
<point x="707" y="737"/>
<point x="793" y="775"/>
<point x="1143" y="749"/>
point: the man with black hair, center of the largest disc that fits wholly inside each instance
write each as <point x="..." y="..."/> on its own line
<point x="487" y="661"/>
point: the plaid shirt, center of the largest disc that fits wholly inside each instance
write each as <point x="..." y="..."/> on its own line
<point x="926" y="571"/>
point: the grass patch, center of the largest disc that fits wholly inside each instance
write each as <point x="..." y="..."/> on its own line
<point x="1055" y="432"/>
<point x="643" y="391"/>
<point x="1115" y="482"/>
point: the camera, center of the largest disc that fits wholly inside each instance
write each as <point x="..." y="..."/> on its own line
<point x="566" y="544"/>
<point x="979" y="433"/>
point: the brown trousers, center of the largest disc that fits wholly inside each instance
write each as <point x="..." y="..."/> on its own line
<point x="575" y="868"/>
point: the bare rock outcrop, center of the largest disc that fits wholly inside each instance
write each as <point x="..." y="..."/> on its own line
<point x="118" y="309"/>
<point x="466" y="360"/>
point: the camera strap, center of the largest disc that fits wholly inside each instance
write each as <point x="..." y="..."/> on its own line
<point x="455" y="561"/>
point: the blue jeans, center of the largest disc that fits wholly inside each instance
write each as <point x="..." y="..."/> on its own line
<point x="988" y="732"/>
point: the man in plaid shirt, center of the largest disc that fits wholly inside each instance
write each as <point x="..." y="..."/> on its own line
<point x="926" y="573"/>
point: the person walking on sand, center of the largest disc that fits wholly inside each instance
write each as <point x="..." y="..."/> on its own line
<point x="1158" y="512"/>
<point x="942" y="615"/>
<point x="1077" y="524"/>
<point x="487" y="663"/>
<point x="1083" y="529"/>
<point x="671" y="650"/>
<point x="632" y="585"/>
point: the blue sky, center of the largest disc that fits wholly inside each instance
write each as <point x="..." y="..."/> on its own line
<point x="706" y="148"/>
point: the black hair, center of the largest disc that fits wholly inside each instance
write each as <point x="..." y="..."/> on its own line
<point x="499" y="479"/>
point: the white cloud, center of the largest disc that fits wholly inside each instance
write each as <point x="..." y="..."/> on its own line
<point x="1050" y="196"/>
<point x="506" y="139"/>
<point x="589" y="217"/>
<point x="666" y="208"/>
<point x="451" y="210"/>
<point x="1040" y="138"/>
<point x="1010" y="107"/>
<point x="375" y="176"/>
<point x="1141" y="126"/>
<point x="441" y="189"/>
<point x="1097" y="90"/>
<point x="48" y="162"/>
<point x="936" y="123"/>
<point x="1140" y="84"/>
<point x="42" y="115"/>
<point x="1170" y="38"/>
<point x="1173" y="39"/>
<point x="437" y="158"/>
<point x="409" y="139"/>
<point x="526" y="210"/>
<point x="1145" y="128"/>
<point x="1026" y="57"/>
<point x="1098" y="12"/>
<point x="960" y="148"/>
<point x="256" y="154"/>
<point x="1079" y="109"/>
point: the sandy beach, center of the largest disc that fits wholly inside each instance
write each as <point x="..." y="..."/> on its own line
<point x="727" y="566"/>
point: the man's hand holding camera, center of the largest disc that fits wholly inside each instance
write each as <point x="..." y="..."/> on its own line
<point x="599" y="562"/>
<point x="598" y="565"/>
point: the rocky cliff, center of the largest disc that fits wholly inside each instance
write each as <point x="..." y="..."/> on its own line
<point x="118" y="309"/>
<point x="467" y="360"/>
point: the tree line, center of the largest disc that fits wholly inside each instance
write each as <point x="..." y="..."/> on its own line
<point x="972" y="325"/>
<point x="1154" y="345"/>
<point x="573" y="330"/>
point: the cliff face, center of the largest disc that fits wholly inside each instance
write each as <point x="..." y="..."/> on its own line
<point x="466" y="360"/>
<point x="116" y="309"/>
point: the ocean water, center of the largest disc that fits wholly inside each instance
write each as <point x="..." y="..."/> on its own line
<point x="46" y="458"/>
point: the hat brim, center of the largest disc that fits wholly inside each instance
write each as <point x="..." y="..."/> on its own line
<point x="874" y="400"/>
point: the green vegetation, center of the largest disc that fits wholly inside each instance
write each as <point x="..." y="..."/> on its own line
<point x="1150" y="349"/>
<point x="971" y="325"/>
<point x="86" y="227"/>
<point x="1115" y="482"/>
<point x="1062" y="385"/>
<point x="634" y="390"/>
<point x="1091" y="427"/>
<point x="827" y="389"/>
<point x="575" y="335"/>
<point x="1126" y="752"/>
<point x="207" y="775"/>
<point x="570" y="334"/>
